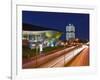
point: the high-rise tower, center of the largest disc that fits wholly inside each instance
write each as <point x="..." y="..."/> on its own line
<point x="70" y="32"/>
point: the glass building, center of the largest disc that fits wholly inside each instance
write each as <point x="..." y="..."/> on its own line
<point x="70" y="32"/>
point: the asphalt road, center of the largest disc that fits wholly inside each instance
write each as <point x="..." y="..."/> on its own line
<point x="81" y="59"/>
<point x="43" y="60"/>
<point x="56" y="59"/>
<point x="63" y="59"/>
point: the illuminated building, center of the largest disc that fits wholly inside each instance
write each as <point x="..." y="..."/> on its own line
<point x="70" y="32"/>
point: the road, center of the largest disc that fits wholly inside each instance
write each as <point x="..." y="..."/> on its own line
<point x="81" y="59"/>
<point x="64" y="59"/>
<point x="42" y="60"/>
<point x="56" y="59"/>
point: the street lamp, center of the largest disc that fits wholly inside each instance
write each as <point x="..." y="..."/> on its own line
<point x="64" y="54"/>
<point x="36" y="53"/>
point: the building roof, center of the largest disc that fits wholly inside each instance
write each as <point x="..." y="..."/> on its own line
<point x="70" y="28"/>
<point x="30" y="27"/>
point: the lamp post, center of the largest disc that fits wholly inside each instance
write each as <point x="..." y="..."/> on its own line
<point x="36" y="53"/>
<point x="36" y="48"/>
<point x="64" y="55"/>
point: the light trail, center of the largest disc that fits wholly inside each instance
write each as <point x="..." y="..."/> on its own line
<point x="59" y="62"/>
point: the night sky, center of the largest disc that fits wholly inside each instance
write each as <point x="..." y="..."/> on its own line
<point x="59" y="21"/>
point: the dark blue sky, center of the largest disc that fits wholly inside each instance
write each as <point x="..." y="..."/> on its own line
<point x="59" y="21"/>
